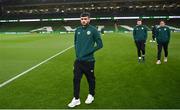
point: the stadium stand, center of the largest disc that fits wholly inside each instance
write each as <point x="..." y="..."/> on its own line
<point x="55" y="11"/>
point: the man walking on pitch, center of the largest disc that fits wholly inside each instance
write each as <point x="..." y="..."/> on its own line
<point x="154" y="28"/>
<point x="86" y="36"/>
<point x="163" y="38"/>
<point x="140" y="37"/>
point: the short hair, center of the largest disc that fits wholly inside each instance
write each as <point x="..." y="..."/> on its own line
<point x="162" y="21"/>
<point x="85" y="14"/>
<point x="139" y="20"/>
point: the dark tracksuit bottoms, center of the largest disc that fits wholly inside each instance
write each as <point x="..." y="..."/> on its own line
<point x="165" y="47"/>
<point x="80" y="68"/>
<point x="140" y="47"/>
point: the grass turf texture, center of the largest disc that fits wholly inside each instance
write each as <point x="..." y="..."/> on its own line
<point x="121" y="81"/>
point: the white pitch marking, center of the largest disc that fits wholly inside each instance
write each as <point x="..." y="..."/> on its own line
<point x="17" y="76"/>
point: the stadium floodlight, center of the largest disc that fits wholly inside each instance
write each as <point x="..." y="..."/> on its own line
<point x="157" y="6"/>
<point x="7" y="11"/>
<point x="150" y="6"/>
<point x="137" y="6"/>
<point x="74" y="8"/>
<point x="99" y="8"/>
<point x="92" y="8"/>
<point x="130" y="6"/>
<point x="143" y="6"/>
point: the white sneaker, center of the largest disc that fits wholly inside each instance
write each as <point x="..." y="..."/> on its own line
<point x="74" y="103"/>
<point x="158" y="62"/>
<point x="165" y="59"/>
<point x="89" y="99"/>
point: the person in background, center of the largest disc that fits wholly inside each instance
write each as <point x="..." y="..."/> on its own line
<point x="163" y="38"/>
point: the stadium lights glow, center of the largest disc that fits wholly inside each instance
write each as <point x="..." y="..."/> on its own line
<point x="157" y="6"/>
<point x="71" y="19"/>
<point x="150" y="6"/>
<point x="98" y="7"/>
<point x="102" y="18"/>
<point x="20" y="10"/>
<point x="126" y="17"/>
<point x="171" y="6"/>
<point x="28" y="20"/>
<point x="92" y="8"/>
<point x="174" y="16"/>
<point x="7" y="11"/>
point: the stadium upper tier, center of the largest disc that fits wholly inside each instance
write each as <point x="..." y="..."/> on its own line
<point x="98" y="8"/>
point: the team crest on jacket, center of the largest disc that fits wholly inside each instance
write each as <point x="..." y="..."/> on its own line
<point x="78" y="32"/>
<point x="142" y="28"/>
<point x="165" y="29"/>
<point x="88" y="32"/>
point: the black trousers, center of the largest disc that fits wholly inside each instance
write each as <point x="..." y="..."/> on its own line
<point x="140" y="47"/>
<point x="165" y="47"/>
<point x="80" y="68"/>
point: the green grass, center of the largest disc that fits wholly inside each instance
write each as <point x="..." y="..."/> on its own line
<point x="120" y="81"/>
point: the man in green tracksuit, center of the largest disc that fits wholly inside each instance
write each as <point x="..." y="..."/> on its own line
<point x="87" y="41"/>
<point x="140" y="37"/>
<point x="163" y="38"/>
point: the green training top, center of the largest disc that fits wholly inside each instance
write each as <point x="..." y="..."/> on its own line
<point x="163" y="34"/>
<point x="140" y="32"/>
<point x="87" y="40"/>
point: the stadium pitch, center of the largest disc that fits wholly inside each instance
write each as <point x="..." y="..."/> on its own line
<point x="121" y="81"/>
